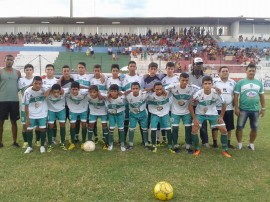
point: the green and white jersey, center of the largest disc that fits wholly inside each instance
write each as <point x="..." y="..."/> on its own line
<point x="249" y="92"/>
<point x="206" y="104"/>
<point x="117" y="105"/>
<point x="96" y="106"/>
<point x="128" y="80"/>
<point x="101" y="86"/>
<point x="83" y="80"/>
<point x="35" y="100"/>
<point x="181" y="97"/>
<point x="227" y="89"/>
<point x="159" y="105"/>
<point x="170" y="80"/>
<point x="23" y="84"/>
<point x="137" y="104"/>
<point x="57" y="104"/>
<point x="111" y="81"/>
<point x="79" y="103"/>
<point x="48" y="83"/>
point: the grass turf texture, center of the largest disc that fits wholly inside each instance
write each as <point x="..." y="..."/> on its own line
<point x="132" y="175"/>
<point x="105" y="60"/>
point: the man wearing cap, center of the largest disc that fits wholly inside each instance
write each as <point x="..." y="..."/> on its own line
<point x="195" y="77"/>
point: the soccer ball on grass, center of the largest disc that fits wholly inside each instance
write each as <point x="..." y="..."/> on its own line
<point x="89" y="146"/>
<point x="163" y="191"/>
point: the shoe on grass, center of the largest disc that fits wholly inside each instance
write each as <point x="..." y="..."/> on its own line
<point x="42" y="149"/>
<point x="71" y="147"/>
<point x="49" y="149"/>
<point x="110" y="148"/>
<point x="197" y="152"/>
<point x="37" y="144"/>
<point x="28" y="150"/>
<point x="123" y="148"/>
<point x="15" y="144"/>
<point x="226" y="154"/>
<point x="62" y="146"/>
<point x="189" y="151"/>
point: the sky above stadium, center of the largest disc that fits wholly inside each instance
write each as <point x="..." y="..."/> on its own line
<point x="138" y="8"/>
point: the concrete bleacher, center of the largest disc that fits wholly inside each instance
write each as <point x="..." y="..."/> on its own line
<point x="38" y="59"/>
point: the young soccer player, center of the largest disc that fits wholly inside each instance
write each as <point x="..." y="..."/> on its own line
<point x="170" y="77"/>
<point x="159" y="107"/>
<point x="116" y="112"/>
<point x="150" y="79"/>
<point x="114" y="79"/>
<point x="36" y="111"/>
<point x="98" y="80"/>
<point x="207" y="99"/>
<point x="84" y="80"/>
<point x="137" y="113"/>
<point x="48" y="82"/>
<point x="97" y="110"/>
<point x="181" y="96"/>
<point x="23" y="84"/>
<point x="77" y="102"/>
<point x="128" y="79"/>
<point x="56" y="105"/>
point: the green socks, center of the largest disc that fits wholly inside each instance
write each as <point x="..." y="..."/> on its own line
<point x="72" y="135"/>
<point x="224" y="141"/>
<point x="195" y="140"/>
<point x="63" y="134"/>
<point x="29" y="135"/>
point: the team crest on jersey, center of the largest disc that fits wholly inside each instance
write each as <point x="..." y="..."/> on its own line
<point x="164" y="81"/>
<point x="225" y="90"/>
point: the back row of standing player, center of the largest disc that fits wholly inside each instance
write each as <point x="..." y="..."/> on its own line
<point x="169" y="93"/>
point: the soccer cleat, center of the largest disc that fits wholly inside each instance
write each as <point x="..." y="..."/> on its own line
<point x="96" y="140"/>
<point x="25" y="145"/>
<point x="197" y="152"/>
<point x="189" y="151"/>
<point x="28" y="150"/>
<point x="206" y="145"/>
<point x="215" y="146"/>
<point x="1" y="145"/>
<point x="230" y="146"/>
<point x="154" y="149"/>
<point x="62" y="146"/>
<point x="171" y="151"/>
<point x="251" y="147"/>
<point x="37" y="144"/>
<point x="130" y="147"/>
<point x="110" y="148"/>
<point x="226" y="154"/>
<point x="71" y="147"/>
<point x="123" y="148"/>
<point x="105" y="147"/>
<point x="82" y="146"/>
<point x="163" y="143"/>
<point x="103" y="140"/>
<point x="177" y="150"/>
<point x="49" y="149"/>
<point x="158" y="144"/>
<point x="15" y="144"/>
<point x="147" y="148"/>
<point x="42" y="149"/>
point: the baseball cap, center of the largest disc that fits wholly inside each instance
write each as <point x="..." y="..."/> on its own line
<point x="198" y="61"/>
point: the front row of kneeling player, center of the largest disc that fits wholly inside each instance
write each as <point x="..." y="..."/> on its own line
<point x="49" y="104"/>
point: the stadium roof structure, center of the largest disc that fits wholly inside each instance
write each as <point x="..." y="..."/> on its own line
<point x="132" y="21"/>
